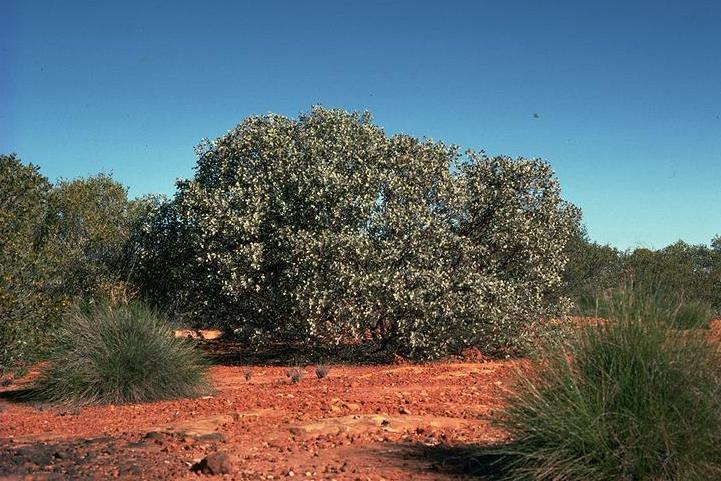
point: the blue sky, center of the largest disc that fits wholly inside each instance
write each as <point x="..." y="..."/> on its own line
<point x="627" y="94"/>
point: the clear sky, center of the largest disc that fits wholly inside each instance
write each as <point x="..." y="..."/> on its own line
<point x="622" y="97"/>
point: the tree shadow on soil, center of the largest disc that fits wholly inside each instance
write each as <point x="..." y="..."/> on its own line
<point x="25" y="395"/>
<point x="88" y="459"/>
<point x="30" y="396"/>
<point x="485" y="462"/>
<point x="228" y="352"/>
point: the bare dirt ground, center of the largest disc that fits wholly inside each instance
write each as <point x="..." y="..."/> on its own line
<point x="376" y="422"/>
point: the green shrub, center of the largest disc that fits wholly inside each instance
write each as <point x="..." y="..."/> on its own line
<point x="124" y="354"/>
<point x="689" y="274"/>
<point x="591" y="269"/>
<point x="58" y="243"/>
<point x="29" y="305"/>
<point x="632" y="399"/>
<point x="325" y="229"/>
<point x="87" y="229"/>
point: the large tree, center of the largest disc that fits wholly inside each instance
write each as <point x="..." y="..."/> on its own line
<point x="324" y="228"/>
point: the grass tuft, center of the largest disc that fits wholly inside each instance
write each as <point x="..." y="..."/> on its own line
<point x="629" y="399"/>
<point x="692" y="315"/>
<point x="640" y="302"/>
<point x="124" y="354"/>
<point x="295" y="374"/>
<point x="321" y="371"/>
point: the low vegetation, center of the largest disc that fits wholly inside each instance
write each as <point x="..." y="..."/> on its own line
<point x="691" y="315"/>
<point x="321" y="371"/>
<point x="629" y="399"/>
<point x="641" y="302"/>
<point x="686" y="279"/>
<point x="295" y="374"/>
<point x="123" y="354"/>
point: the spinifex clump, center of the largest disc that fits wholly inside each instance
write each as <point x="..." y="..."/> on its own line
<point x="629" y="399"/>
<point x="123" y="354"/>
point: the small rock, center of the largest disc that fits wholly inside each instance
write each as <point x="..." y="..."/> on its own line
<point x="155" y="436"/>
<point x="61" y="454"/>
<point x="132" y="469"/>
<point x="291" y="473"/>
<point x="69" y="411"/>
<point x="216" y="463"/>
<point x="39" y="455"/>
<point x="404" y="410"/>
<point x="111" y="449"/>
<point x="210" y="437"/>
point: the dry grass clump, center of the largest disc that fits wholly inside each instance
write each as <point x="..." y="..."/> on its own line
<point x="123" y="354"/>
<point x="321" y="371"/>
<point x="631" y="399"/>
<point x="295" y="374"/>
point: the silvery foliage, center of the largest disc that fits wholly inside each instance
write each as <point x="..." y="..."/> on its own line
<point x="325" y="229"/>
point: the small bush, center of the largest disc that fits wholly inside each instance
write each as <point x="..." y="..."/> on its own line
<point x="248" y="373"/>
<point x="123" y="354"/>
<point x="321" y="371"/>
<point x="631" y="399"/>
<point x="295" y="374"/>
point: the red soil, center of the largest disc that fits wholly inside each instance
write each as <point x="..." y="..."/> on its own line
<point x="391" y="422"/>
